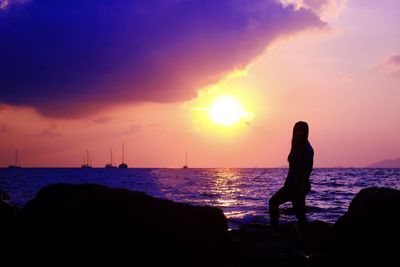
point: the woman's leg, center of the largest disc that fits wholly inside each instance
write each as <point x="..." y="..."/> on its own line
<point x="299" y="205"/>
<point x="277" y="199"/>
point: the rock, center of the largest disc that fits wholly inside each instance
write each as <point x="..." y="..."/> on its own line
<point x="370" y="230"/>
<point x="286" y="245"/>
<point x="4" y="196"/>
<point x="96" y="224"/>
<point x="7" y="213"/>
<point x="6" y="210"/>
<point x="99" y="223"/>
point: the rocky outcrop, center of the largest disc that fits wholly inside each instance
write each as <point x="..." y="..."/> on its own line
<point x="4" y="196"/>
<point x="99" y="223"/>
<point x="6" y="210"/>
<point x="370" y="230"/>
<point x="286" y="245"/>
<point x="367" y="235"/>
<point x="95" y="224"/>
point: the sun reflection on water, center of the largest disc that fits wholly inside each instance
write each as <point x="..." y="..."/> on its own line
<point x="224" y="185"/>
<point x="242" y="194"/>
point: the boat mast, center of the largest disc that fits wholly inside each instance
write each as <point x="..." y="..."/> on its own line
<point x="123" y="152"/>
<point x="16" y="157"/>
<point x="89" y="162"/>
<point x="186" y="163"/>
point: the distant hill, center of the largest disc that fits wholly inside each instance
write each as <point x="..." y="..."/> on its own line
<point x="388" y="163"/>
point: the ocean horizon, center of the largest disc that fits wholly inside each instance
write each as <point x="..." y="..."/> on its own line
<point x="242" y="193"/>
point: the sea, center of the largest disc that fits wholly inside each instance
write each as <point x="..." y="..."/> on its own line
<point x="242" y="193"/>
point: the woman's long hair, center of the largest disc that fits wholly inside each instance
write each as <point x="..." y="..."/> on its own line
<point x="299" y="138"/>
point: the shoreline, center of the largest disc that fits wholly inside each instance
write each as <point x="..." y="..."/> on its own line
<point x="87" y="219"/>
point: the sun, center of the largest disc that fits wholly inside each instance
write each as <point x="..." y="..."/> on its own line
<point x="226" y="111"/>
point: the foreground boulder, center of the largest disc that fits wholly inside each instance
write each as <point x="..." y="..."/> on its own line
<point x="286" y="245"/>
<point x="6" y="210"/>
<point x="98" y="223"/>
<point x="369" y="233"/>
<point x="4" y="196"/>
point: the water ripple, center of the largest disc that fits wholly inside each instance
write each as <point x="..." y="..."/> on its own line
<point x="242" y="193"/>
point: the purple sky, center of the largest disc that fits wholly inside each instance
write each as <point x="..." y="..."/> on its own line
<point x="77" y="75"/>
<point x="67" y="58"/>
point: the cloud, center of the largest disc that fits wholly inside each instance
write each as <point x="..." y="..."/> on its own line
<point x="327" y="9"/>
<point x="133" y="129"/>
<point x="70" y="58"/>
<point x="391" y="63"/>
<point x="47" y="132"/>
<point x="103" y="119"/>
<point x="317" y="4"/>
<point x="394" y="60"/>
<point x="7" y="3"/>
<point x="50" y="131"/>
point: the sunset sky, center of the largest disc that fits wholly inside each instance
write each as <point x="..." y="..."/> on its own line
<point x="224" y="81"/>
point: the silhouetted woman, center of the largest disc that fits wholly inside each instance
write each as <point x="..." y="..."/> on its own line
<point x="297" y="183"/>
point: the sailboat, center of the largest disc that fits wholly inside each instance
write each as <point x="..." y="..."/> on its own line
<point x="111" y="164"/>
<point x="123" y="165"/>
<point x="186" y="163"/>
<point x="87" y="163"/>
<point x="16" y="166"/>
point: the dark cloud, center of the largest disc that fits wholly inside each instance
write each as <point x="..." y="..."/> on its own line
<point x="67" y="58"/>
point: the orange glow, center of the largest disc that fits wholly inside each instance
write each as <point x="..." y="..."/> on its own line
<point x="346" y="93"/>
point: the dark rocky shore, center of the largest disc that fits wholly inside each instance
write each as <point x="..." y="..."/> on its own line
<point x="74" y="224"/>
